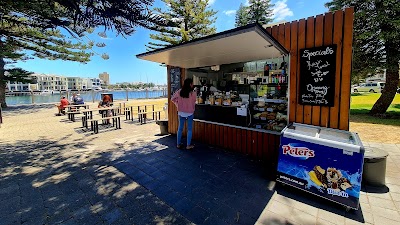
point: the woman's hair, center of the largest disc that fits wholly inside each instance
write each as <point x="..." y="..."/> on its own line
<point x="186" y="89"/>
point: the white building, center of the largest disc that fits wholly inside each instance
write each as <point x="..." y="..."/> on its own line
<point x="95" y="83"/>
<point x="50" y="82"/>
<point x="21" y="87"/>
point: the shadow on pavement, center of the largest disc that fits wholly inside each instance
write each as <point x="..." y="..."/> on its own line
<point x="206" y="185"/>
<point x="49" y="182"/>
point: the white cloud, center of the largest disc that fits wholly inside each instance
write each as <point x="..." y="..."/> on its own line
<point x="281" y="10"/>
<point x="210" y="2"/>
<point x="229" y="12"/>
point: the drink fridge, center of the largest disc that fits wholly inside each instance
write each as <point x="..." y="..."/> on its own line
<point x="325" y="162"/>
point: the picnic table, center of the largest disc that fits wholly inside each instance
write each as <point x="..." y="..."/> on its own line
<point x="88" y="113"/>
<point x="130" y="109"/>
<point x="142" y="112"/>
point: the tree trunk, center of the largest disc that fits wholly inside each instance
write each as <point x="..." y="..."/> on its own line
<point x="392" y="81"/>
<point x="2" y="84"/>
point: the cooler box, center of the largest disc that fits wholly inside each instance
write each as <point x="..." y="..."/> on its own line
<point x="325" y="162"/>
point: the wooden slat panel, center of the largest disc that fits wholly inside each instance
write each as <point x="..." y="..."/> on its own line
<point x="203" y="132"/>
<point x="260" y="145"/>
<point x="221" y="136"/>
<point x="287" y="36"/>
<point x="233" y="138"/>
<point x="226" y="141"/>
<point x="217" y="136"/>
<point x="319" y="38"/>
<point x="209" y="134"/>
<point x="244" y="141"/>
<point x="275" y="32"/>
<point x="267" y="147"/>
<point x="239" y="140"/>
<point x="300" y="44"/>
<point x="249" y="143"/>
<point x="310" y="35"/>
<point x="268" y="29"/>
<point x="281" y="34"/>
<point x="337" y="39"/>
<point x="328" y="37"/>
<point x="254" y="143"/>
<point x="293" y="71"/>
<point x="212" y="134"/>
<point x="346" y="69"/>
<point x="229" y="137"/>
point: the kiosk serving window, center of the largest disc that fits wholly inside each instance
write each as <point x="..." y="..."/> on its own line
<point x="250" y="95"/>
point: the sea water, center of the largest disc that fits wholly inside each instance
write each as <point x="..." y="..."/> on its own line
<point x="87" y="97"/>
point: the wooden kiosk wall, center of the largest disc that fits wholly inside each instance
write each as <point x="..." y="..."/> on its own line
<point x="330" y="28"/>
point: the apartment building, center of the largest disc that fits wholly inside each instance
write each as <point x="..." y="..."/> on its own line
<point x="50" y="82"/>
<point x="105" y="77"/>
<point x="42" y="82"/>
<point x="21" y="87"/>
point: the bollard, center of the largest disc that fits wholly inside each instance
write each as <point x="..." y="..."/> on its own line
<point x="33" y="97"/>
<point x="93" y="95"/>
<point x="127" y="95"/>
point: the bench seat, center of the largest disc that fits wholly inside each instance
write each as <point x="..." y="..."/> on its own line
<point x="94" y="123"/>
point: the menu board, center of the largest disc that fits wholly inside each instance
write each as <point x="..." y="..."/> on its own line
<point x="175" y="75"/>
<point x="317" y="75"/>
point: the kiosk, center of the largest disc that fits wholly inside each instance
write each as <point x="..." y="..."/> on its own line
<point x="264" y="77"/>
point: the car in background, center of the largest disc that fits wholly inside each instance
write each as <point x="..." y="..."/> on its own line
<point x="373" y="87"/>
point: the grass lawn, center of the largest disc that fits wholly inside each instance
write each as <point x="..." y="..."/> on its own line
<point x="361" y="103"/>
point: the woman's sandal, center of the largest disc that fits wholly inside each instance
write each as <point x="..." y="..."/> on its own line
<point x="189" y="147"/>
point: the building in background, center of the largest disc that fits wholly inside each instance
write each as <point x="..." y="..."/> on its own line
<point x="55" y="84"/>
<point x="21" y="87"/>
<point x="105" y="77"/>
<point x="95" y="83"/>
<point x="50" y="82"/>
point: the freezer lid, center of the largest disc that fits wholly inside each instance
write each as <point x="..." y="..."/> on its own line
<point x="330" y="137"/>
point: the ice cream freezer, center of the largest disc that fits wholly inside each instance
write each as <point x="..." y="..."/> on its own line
<point x="325" y="162"/>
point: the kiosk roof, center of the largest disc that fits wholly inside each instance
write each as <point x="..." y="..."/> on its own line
<point x="242" y="44"/>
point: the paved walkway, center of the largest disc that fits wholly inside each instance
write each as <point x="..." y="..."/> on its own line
<point x="52" y="172"/>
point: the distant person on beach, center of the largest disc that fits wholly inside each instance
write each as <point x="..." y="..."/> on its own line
<point x="105" y="102"/>
<point x="78" y="100"/>
<point x="61" y="107"/>
<point x="73" y="97"/>
<point x="185" y="100"/>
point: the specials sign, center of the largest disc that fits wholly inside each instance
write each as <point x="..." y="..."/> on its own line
<point x="317" y="75"/>
<point x="175" y="76"/>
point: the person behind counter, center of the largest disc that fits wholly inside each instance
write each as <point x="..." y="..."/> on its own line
<point x="185" y="100"/>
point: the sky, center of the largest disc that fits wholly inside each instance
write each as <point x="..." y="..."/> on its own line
<point x="123" y="66"/>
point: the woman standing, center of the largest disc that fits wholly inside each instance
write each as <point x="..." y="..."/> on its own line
<point x="185" y="100"/>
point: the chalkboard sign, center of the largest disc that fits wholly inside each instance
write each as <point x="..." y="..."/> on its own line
<point x="317" y="75"/>
<point x="175" y="74"/>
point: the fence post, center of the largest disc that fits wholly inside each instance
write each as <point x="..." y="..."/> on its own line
<point x="33" y="97"/>
<point x="147" y="93"/>
<point x="127" y="95"/>
<point x="93" y="95"/>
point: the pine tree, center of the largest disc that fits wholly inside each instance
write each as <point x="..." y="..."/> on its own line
<point x="242" y="17"/>
<point x="31" y="29"/>
<point x="185" y="20"/>
<point x="260" y="11"/>
<point x="376" y="43"/>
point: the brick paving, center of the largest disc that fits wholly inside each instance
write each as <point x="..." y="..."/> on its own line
<point x="52" y="172"/>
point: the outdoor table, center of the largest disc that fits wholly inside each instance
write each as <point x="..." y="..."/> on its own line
<point x="88" y="113"/>
<point x="130" y="115"/>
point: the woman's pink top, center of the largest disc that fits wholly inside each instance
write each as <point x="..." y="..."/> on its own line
<point x="184" y="104"/>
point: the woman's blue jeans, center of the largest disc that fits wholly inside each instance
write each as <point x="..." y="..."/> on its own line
<point x="182" y="120"/>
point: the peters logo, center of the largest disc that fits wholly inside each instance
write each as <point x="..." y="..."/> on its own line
<point x="299" y="152"/>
